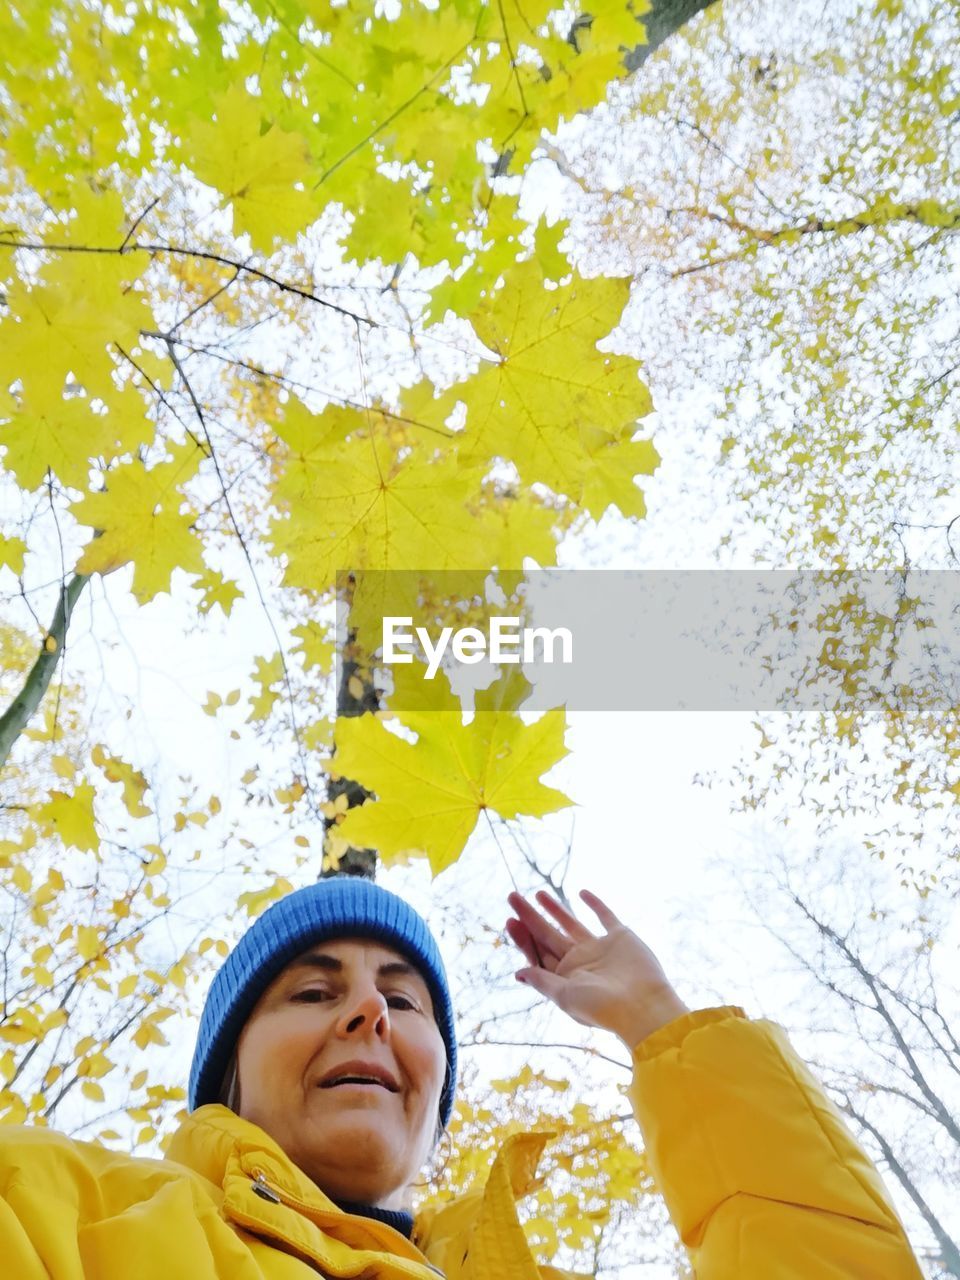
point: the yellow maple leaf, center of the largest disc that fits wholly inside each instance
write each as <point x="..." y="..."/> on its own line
<point x="217" y="590"/>
<point x="67" y="323"/>
<point x="88" y="942"/>
<point x="70" y="816"/>
<point x="158" y="860"/>
<point x="268" y="672"/>
<point x="255" y="169"/>
<point x="134" y="783"/>
<point x="257" y="900"/>
<point x="361" y="498"/>
<point x="12" y="553"/>
<point x="616" y="460"/>
<point x="91" y="217"/>
<point x="517" y="526"/>
<point x="139" y="519"/>
<point x="546" y="398"/>
<point x="316" y="649"/>
<point x="434" y="790"/>
<point x="64" y="434"/>
<point x="147" y="1033"/>
<point x="317" y="734"/>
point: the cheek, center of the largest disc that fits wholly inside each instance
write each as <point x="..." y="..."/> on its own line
<point x="426" y="1062"/>
<point x="277" y="1044"/>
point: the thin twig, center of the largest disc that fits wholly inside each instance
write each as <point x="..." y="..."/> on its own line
<point x="140" y="217"/>
<point x="204" y="255"/>
<point x="201" y="417"/>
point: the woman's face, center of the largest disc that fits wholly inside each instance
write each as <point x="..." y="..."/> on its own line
<point x="342" y="1064"/>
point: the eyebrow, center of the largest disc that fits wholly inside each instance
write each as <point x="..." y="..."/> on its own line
<point x="330" y="964"/>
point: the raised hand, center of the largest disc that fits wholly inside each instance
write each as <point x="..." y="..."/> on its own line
<point x="613" y="981"/>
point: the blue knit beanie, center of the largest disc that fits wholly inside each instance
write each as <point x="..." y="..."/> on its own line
<point x="334" y="907"/>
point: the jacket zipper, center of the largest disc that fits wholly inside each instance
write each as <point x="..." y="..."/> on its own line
<point x="263" y="1189"/>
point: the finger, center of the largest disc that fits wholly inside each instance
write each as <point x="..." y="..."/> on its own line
<point x="600" y="910"/>
<point x="548" y="984"/>
<point x="519" y="935"/>
<point x="578" y="931"/>
<point x="545" y="936"/>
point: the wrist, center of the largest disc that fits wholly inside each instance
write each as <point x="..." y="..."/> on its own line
<point x="648" y="1015"/>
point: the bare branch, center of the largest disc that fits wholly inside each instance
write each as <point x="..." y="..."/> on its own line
<point x="949" y="1252"/>
<point x="872" y="984"/>
<point x="548" y="1044"/>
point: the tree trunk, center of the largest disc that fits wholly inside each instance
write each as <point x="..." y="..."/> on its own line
<point x="663" y="19"/>
<point x="356" y="695"/>
<point x="15" y="718"/>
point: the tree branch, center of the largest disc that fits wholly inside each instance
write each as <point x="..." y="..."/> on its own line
<point x="550" y="1044"/>
<point x="882" y="214"/>
<point x="203" y="255"/>
<point x="949" y="1253"/>
<point x="870" y="981"/>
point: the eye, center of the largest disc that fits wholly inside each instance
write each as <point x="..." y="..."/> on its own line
<point x="312" y="995"/>
<point x="399" y="1001"/>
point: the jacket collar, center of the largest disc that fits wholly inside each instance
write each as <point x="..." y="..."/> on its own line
<point x="260" y="1190"/>
<point x="260" y="1185"/>
<point x="210" y="1136"/>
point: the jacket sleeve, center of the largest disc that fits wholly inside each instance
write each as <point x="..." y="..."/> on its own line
<point x="759" y="1172"/>
<point x="19" y="1253"/>
<point x="43" y="1179"/>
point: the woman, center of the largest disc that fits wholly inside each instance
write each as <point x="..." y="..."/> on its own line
<point x="325" y="1067"/>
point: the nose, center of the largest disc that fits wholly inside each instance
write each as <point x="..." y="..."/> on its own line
<point x="365" y="1014"/>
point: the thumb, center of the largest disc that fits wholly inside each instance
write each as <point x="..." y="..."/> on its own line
<point x="548" y="984"/>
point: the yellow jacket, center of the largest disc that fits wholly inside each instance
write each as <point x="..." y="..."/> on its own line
<point x="759" y="1173"/>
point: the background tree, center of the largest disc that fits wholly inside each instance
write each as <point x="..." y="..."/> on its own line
<point x="785" y="191"/>
<point x="784" y="188"/>
<point x="880" y="1016"/>
<point x="84" y="996"/>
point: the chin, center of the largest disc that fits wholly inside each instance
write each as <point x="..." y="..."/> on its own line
<point x="376" y="1171"/>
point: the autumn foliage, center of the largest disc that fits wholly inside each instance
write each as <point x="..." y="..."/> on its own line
<point x="272" y="309"/>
